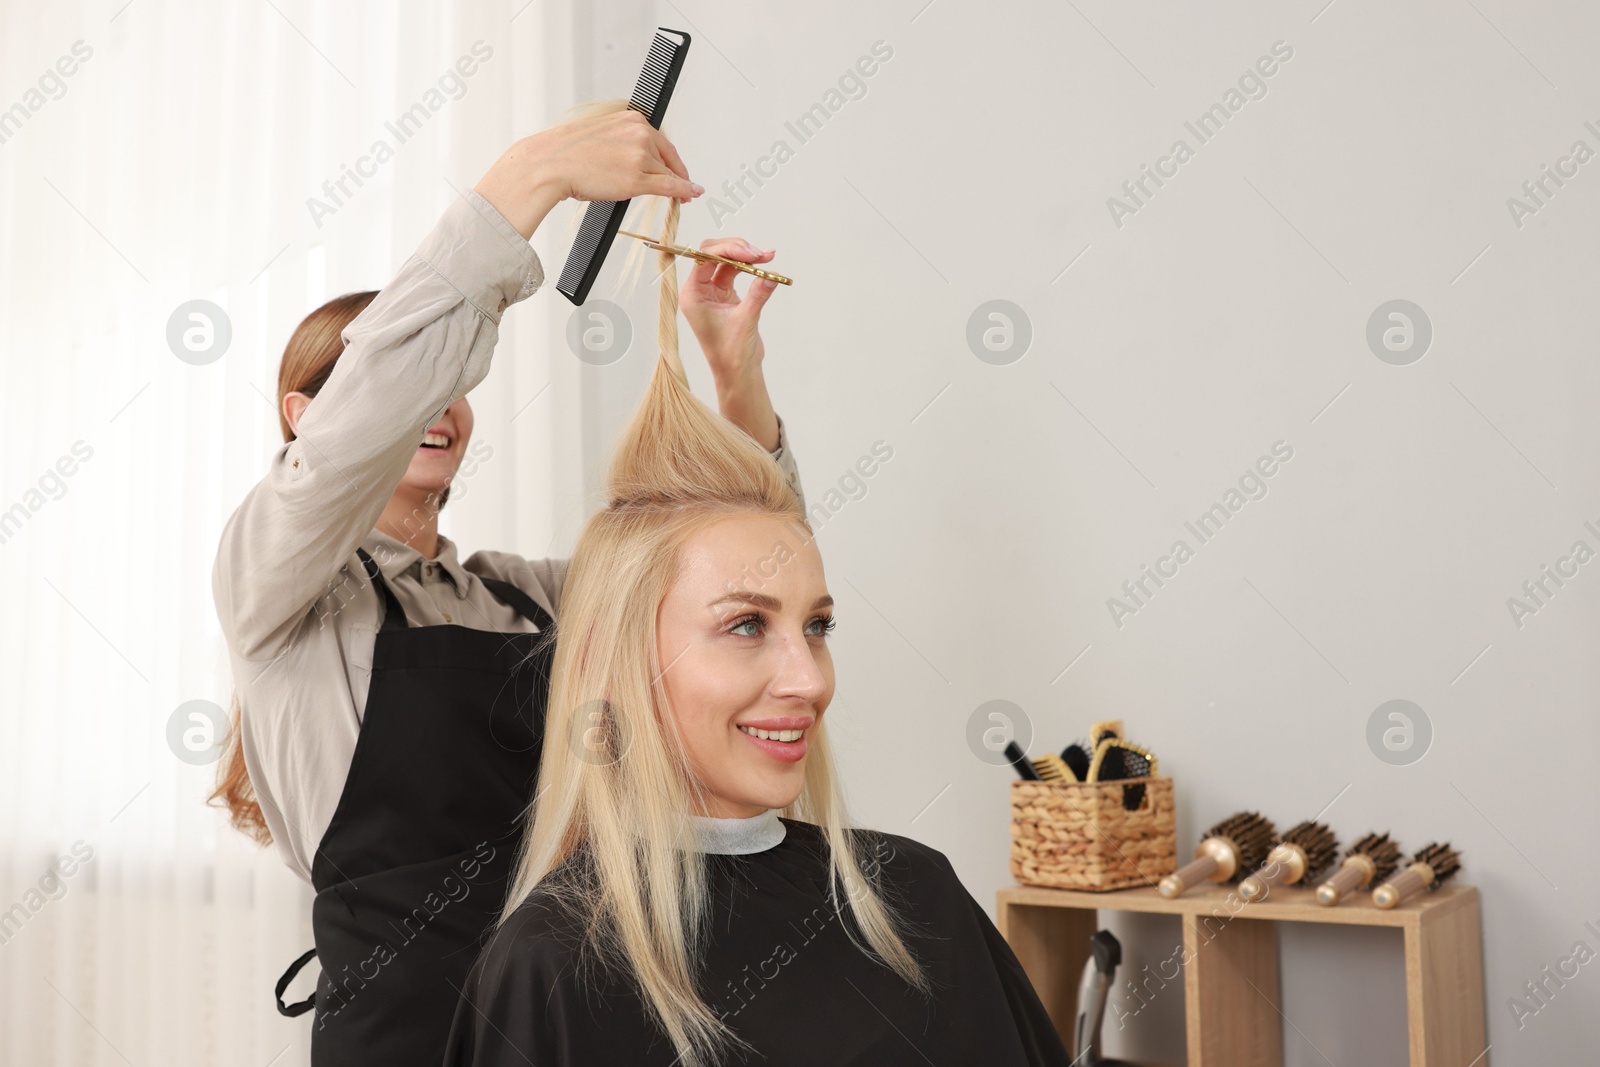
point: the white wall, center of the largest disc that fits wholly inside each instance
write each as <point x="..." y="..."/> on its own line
<point x="1225" y="315"/>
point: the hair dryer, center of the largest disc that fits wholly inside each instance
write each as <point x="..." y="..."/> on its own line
<point x="1105" y="954"/>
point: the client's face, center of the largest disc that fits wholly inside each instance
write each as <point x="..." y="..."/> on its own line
<point x="742" y="640"/>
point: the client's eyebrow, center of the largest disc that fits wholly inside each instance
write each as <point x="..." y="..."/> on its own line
<point x="771" y="603"/>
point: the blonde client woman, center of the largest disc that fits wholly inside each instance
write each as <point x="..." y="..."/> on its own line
<point x="391" y="695"/>
<point x="689" y="891"/>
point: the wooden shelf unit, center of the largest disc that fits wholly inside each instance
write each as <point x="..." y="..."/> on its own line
<point x="1230" y="981"/>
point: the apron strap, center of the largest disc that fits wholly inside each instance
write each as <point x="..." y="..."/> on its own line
<point x="394" y="616"/>
<point x="529" y="608"/>
<point x="301" y="1007"/>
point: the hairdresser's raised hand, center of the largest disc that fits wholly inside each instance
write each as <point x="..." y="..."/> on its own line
<point x="615" y="156"/>
<point x="725" y="322"/>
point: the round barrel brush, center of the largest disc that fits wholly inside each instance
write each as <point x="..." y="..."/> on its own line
<point x="1370" y="860"/>
<point x="1428" y="869"/>
<point x="1233" y="846"/>
<point x="1302" y="853"/>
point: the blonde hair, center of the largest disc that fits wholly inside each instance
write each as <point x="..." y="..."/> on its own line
<point x="616" y="787"/>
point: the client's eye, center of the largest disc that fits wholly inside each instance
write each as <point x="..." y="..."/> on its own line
<point x="820" y="626"/>
<point x="749" y="620"/>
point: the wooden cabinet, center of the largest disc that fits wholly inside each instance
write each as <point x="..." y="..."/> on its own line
<point x="1230" y="974"/>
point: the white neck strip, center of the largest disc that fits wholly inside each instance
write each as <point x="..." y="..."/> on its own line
<point x="740" y="837"/>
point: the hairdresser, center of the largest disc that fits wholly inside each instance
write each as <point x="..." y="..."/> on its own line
<point x="390" y="696"/>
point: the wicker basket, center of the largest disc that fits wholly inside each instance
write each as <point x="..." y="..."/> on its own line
<point x="1082" y="835"/>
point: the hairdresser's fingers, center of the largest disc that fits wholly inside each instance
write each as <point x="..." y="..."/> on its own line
<point x="669" y="155"/>
<point x="734" y="248"/>
<point x="666" y="155"/>
<point x="720" y="276"/>
<point x="756" y="297"/>
<point x="663" y="184"/>
<point x="705" y="274"/>
<point x="716" y="279"/>
<point x="623" y="152"/>
<point x="726" y="275"/>
<point x="666" y="183"/>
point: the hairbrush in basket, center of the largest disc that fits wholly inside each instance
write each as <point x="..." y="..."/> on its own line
<point x="1429" y="868"/>
<point x="1371" y="859"/>
<point x="1118" y="760"/>
<point x="1301" y="854"/>
<point x="1103" y="729"/>
<point x="1236" y="844"/>
<point x="1078" y="756"/>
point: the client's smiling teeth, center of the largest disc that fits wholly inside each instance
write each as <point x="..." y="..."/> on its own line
<point x="438" y="440"/>
<point x="774" y="735"/>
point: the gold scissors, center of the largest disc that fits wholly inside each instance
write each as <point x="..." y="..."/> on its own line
<point x="707" y="257"/>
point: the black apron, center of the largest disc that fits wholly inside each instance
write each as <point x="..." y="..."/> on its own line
<point x="414" y="867"/>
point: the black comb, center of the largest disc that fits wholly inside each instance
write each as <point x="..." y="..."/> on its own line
<point x="601" y="218"/>
<point x="1019" y="759"/>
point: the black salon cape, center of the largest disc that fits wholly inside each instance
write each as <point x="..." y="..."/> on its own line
<point x="784" y="970"/>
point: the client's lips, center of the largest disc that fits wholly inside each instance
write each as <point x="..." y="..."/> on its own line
<point x="794" y="727"/>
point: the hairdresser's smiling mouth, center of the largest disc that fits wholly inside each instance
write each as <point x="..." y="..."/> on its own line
<point x="442" y="444"/>
<point x="782" y="738"/>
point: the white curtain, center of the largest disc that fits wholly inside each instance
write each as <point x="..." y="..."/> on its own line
<point x="152" y="153"/>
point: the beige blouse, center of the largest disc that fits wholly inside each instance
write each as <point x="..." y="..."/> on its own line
<point x="298" y="614"/>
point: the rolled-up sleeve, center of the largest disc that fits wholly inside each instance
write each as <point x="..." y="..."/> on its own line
<point x="424" y="341"/>
<point x="784" y="458"/>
